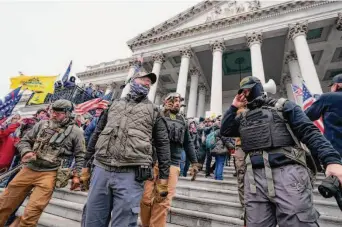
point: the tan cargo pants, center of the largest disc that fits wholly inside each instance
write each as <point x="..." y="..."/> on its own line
<point x="155" y="214"/>
<point x="240" y="170"/>
<point x="27" y="179"/>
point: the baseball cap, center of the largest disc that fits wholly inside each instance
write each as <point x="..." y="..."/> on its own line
<point x="173" y="95"/>
<point x="336" y="80"/>
<point x="248" y="82"/>
<point x="140" y="74"/>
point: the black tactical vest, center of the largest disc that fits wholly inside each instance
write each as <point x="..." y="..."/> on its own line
<point x="263" y="129"/>
<point x="176" y="128"/>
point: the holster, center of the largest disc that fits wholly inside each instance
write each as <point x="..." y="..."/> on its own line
<point x="143" y="173"/>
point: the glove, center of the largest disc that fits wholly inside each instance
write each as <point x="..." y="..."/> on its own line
<point x="75" y="184"/>
<point x="161" y="191"/>
<point x="194" y="170"/>
<point x="85" y="179"/>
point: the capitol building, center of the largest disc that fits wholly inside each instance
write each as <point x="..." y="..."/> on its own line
<point x="204" y="51"/>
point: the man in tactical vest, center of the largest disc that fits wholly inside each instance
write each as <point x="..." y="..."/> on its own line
<point x="47" y="149"/>
<point x="153" y="209"/>
<point x="277" y="183"/>
<point x="123" y="160"/>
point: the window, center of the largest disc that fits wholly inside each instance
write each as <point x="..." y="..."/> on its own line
<point x="314" y="34"/>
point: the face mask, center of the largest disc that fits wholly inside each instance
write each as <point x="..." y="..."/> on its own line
<point x="138" y="90"/>
<point x="256" y="92"/>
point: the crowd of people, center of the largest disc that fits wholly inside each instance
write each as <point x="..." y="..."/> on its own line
<point x="130" y="156"/>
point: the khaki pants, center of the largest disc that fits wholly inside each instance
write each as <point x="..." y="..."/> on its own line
<point x="240" y="170"/>
<point x="155" y="214"/>
<point x="27" y="179"/>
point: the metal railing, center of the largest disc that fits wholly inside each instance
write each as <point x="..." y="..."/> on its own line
<point x="74" y="94"/>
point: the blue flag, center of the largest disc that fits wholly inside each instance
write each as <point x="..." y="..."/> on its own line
<point x="108" y="96"/>
<point x="66" y="74"/>
<point x="10" y="101"/>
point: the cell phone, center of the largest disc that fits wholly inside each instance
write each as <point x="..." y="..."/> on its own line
<point x="240" y="91"/>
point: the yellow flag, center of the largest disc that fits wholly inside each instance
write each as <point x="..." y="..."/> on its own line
<point x="34" y="83"/>
<point x="38" y="98"/>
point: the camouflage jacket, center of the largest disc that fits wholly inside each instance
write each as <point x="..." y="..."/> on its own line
<point x="52" y="153"/>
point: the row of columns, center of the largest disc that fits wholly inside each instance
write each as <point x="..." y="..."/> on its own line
<point x="300" y="63"/>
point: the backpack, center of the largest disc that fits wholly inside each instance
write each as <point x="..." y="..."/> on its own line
<point x="210" y="141"/>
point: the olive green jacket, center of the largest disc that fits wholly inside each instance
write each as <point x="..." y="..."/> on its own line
<point x="52" y="156"/>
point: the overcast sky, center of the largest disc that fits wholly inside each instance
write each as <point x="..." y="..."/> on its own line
<point x="40" y="38"/>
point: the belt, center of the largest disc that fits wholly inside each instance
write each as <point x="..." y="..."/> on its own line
<point x="122" y="169"/>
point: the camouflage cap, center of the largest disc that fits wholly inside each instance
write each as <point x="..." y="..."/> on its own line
<point x="248" y="82"/>
<point x="173" y="95"/>
<point x="63" y="105"/>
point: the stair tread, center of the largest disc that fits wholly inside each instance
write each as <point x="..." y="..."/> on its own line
<point x="204" y="215"/>
<point x="50" y="220"/>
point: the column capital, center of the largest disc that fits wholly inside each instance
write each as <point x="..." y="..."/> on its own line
<point x="202" y="89"/>
<point x="134" y="62"/>
<point x="286" y="79"/>
<point x="290" y="56"/>
<point x="339" y="22"/>
<point x="300" y="28"/>
<point x="159" y="92"/>
<point x="111" y="86"/>
<point x="194" y="71"/>
<point x="254" y="38"/>
<point x="158" y="57"/>
<point x="217" y="45"/>
<point x="186" y="52"/>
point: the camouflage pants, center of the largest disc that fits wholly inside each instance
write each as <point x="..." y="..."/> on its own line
<point x="240" y="170"/>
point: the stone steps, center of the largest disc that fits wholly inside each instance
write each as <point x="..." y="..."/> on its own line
<point x="203" y="203"/>
<point x="49" y="220"/>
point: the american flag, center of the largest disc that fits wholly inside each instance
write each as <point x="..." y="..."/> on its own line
<point x="10" y="101"/>
<point x="297" y="91"/>
<point x="93" y="104"/>
<point x="308" y="99"/>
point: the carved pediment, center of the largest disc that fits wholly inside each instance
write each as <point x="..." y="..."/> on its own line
<point x="209" y="15"/>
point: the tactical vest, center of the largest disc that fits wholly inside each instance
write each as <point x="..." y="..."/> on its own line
<point x="176" y="128"/>
<point x="126" y="139"/>
<point x="48" y="143"/>
<point x="263" y="129"/>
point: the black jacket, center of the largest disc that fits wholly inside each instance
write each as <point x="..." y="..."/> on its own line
<point x="160" y="139"/>
<point x="302" y="127"/>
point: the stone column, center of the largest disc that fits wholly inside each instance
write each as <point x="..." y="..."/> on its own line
<point x="158" y="60"/>
<point x="158" y="98"/>
<point x="216" y="80"/>
<point x="133" y="64"/>
<point x="254" y="41"/>
<point x="186" y="54"/>
<point x="339" y="22"/>
<point x="194" y="72"/>
<point x="297" y="33"/>
<point x="286" y="83"/>
<point x="295" y="73"/>
<point x="201" y="101"/>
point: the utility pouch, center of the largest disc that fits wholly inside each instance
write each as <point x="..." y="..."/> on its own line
<point x="143" y="173"/>
<point x="63" y="176"/>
